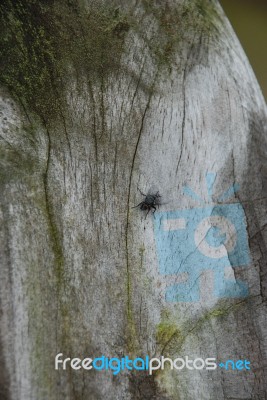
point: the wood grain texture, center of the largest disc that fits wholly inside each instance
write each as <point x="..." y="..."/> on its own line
<point x="79" y="267"/>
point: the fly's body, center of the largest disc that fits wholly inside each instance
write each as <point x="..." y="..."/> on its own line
<point x="150" y="203"/>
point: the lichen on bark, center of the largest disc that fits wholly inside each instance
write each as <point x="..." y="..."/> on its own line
<point x="44" y="41"/>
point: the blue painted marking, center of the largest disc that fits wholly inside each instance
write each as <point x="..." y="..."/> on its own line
<point x="210" y="179"/>
<point x="178" y="252"/>
<point x="189" y="192"/>
<point x="230" y="192"/>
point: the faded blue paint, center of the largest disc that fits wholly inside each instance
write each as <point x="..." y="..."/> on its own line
<point x="229" y="192"/>
<point x="210" y="179"/>
<point x="189" y="192"/>
<point x="178" y="253"/>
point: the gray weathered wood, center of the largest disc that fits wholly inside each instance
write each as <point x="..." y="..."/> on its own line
<point x="79" y="267"/>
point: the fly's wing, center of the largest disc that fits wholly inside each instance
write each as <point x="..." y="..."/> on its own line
<point x="153" y="190"/>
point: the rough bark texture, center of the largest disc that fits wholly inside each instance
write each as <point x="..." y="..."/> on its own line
<point x="98" y="99"/>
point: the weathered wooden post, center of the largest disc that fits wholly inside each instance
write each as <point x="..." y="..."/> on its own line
<point x="98" y="99"/>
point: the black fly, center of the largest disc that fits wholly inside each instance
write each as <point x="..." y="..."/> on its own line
<point x="151" y="202"/>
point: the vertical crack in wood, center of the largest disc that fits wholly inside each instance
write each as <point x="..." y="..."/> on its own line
<point x="56" y="246"/>
<point x="128" y="202"/>
<point x="183" y="123"/>
<point x="184" y="107"/>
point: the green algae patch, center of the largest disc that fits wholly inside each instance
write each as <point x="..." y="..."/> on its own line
<point x="171" y="337"/>
<point x="179" y="24"/>
<point x="166" y="331"/>
<point x="43" y="42"/>
<point x="168" y="337"/>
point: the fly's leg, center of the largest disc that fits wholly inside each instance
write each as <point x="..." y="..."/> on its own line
<point x="143" y="194"/>
<point x="147" y="213"/>
<point x="138" y="204"/>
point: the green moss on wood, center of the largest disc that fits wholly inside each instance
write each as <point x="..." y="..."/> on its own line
<point x="44" y="41"/>
<point x="179" y="24"/>
<point x="171" y="337"/>
<point x="166" y="331"/>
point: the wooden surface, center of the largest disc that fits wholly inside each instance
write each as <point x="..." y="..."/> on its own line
<point x="80" y="270"/>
